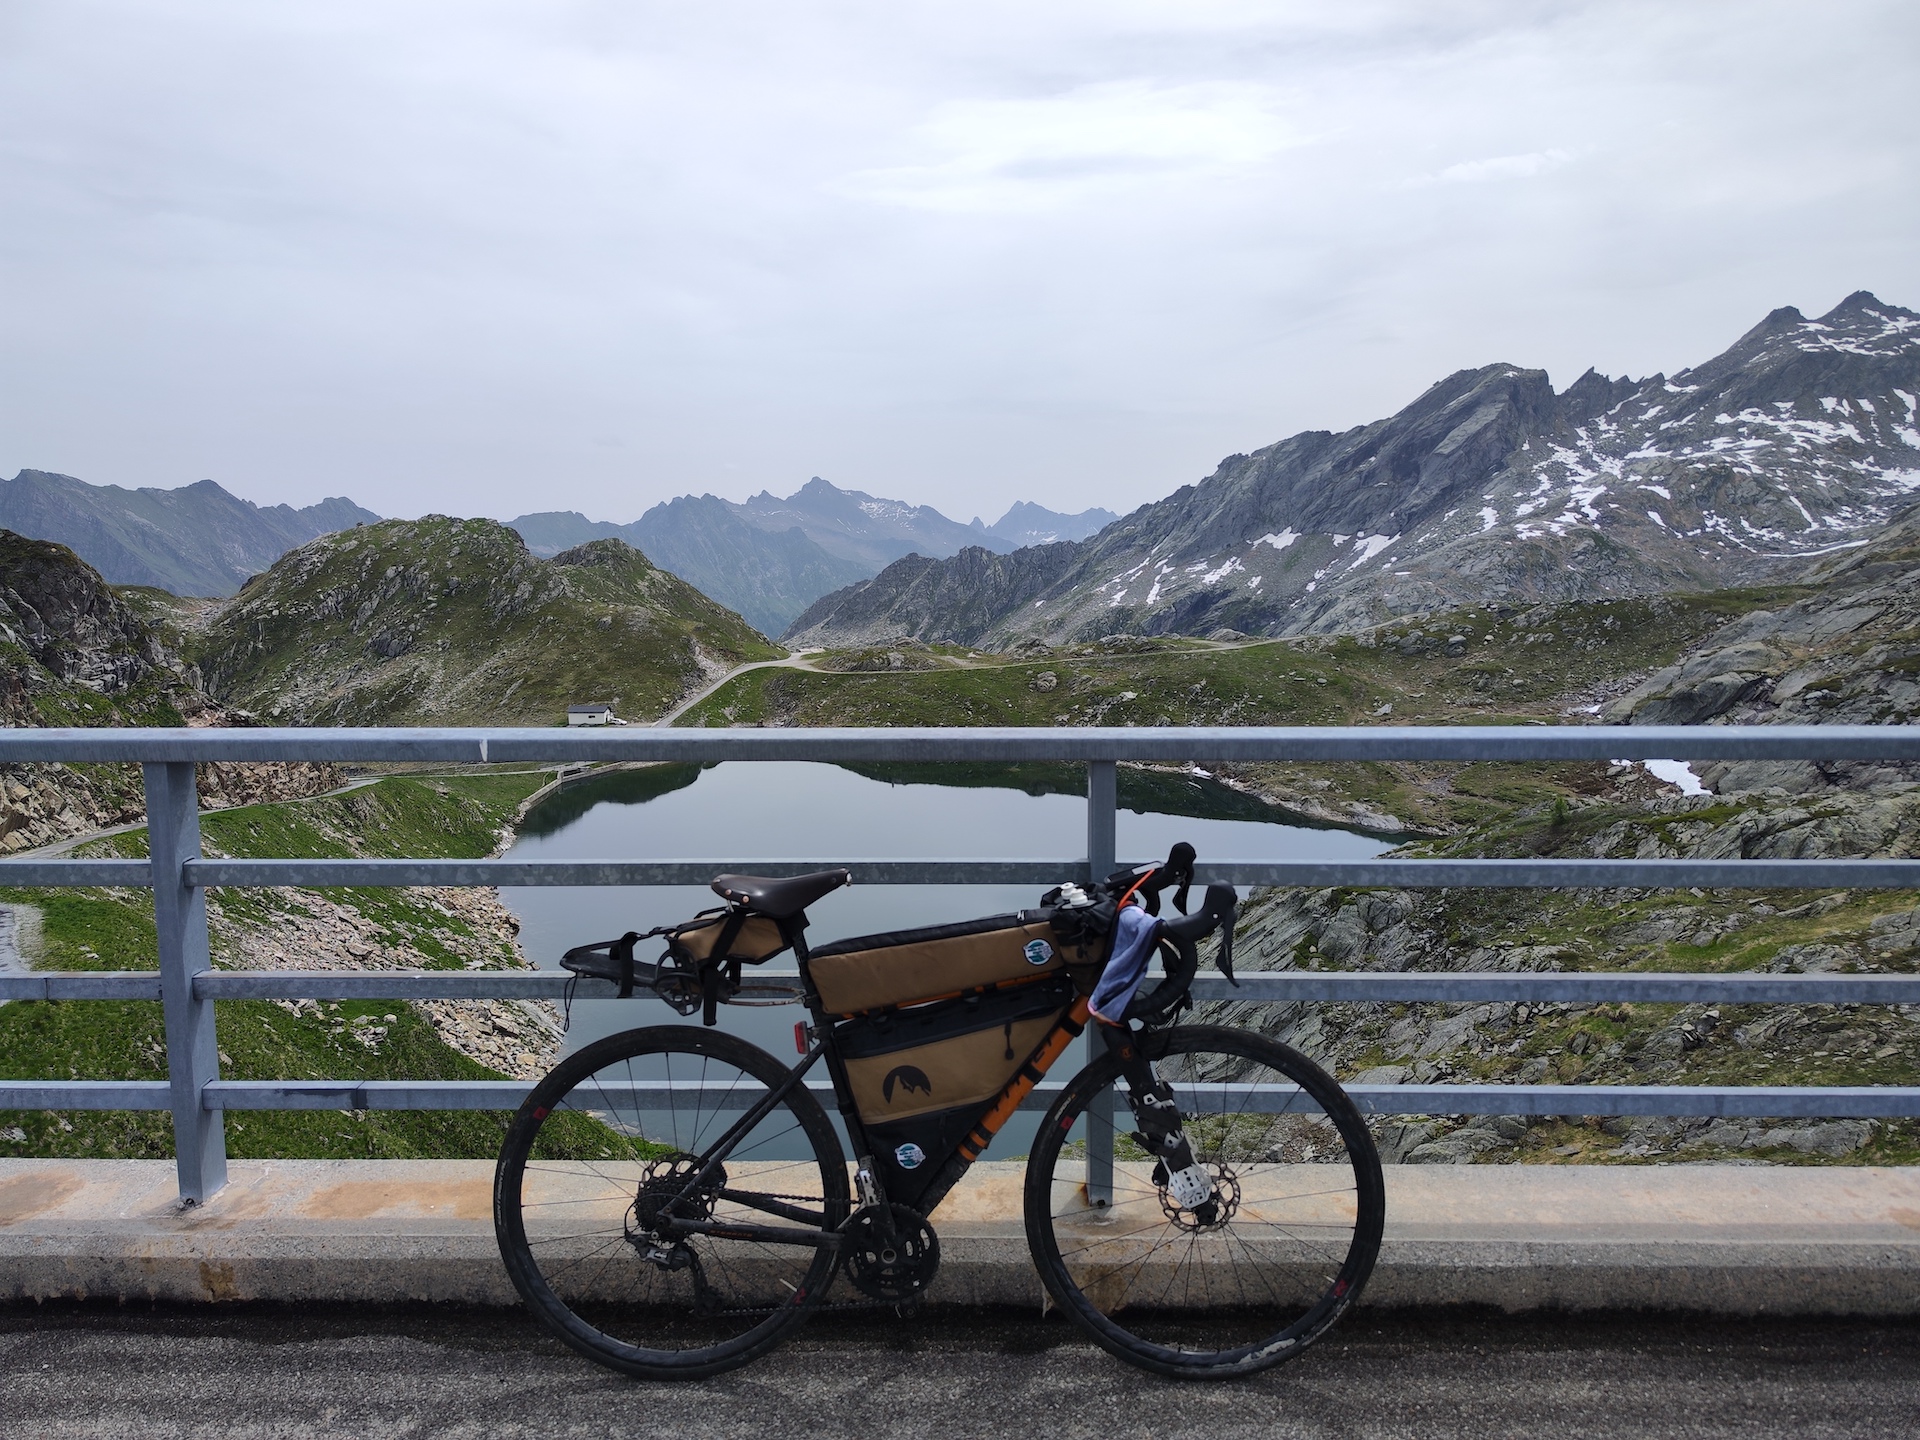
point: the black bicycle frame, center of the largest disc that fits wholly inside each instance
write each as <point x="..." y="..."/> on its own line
<point x="952" y="1169"/>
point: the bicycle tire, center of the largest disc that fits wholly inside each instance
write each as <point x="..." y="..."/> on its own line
<point x="582" y="1265"/>
<point x="1257" y="1281"/>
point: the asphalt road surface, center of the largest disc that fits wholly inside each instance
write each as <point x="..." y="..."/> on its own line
<point x="252" y="1371"/>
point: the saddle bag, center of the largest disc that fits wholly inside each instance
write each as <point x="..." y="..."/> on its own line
<point x="701" y="967"/>
<point x="904" y="967"/>
<point x="728" y="934"/>
<point x="921" y="1077"/>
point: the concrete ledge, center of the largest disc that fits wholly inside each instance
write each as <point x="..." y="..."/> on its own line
<point x="1740" y="1240"/>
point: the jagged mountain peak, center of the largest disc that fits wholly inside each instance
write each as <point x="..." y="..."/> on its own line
<point x="1864" y="303"/>
<point x="1027" y="523"/>
<point x="1594" y="394"/>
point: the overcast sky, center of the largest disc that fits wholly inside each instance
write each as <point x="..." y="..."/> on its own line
<point x="487" y="258"/>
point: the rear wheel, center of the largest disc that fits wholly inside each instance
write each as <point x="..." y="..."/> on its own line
<point x="1257" y="1271"/>
<point x="596" y="1169"/>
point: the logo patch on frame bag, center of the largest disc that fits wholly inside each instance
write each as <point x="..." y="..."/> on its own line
<point x="909" y="1078"/>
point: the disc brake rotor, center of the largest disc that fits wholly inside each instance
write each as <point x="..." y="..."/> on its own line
<point x="1215" y="1212"/>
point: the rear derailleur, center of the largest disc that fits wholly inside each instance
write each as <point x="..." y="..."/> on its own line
<point x="662" y="1198"/>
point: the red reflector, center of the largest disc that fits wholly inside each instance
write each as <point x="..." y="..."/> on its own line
<point x="542" y="1113"/>
<point x="799" y="1037"/>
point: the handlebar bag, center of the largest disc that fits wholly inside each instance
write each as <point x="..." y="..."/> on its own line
<point x="921" y="1077"/>
<point x="904" y="967"/>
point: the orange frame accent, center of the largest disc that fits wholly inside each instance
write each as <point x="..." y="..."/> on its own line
<point x="1069" y="1029"/>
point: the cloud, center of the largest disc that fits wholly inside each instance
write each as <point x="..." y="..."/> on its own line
<point x="979" y="154"/>
<point x="1504" y="167"/>
<point x="436" y="254"/>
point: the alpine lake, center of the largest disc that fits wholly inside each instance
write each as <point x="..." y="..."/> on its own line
<point x="841" y="814"/>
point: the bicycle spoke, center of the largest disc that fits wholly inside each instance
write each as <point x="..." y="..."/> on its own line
<point x="1280" y="1248"/>
<point x="597" y="1252"/>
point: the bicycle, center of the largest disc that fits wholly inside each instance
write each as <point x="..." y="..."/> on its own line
<point x="671" y="1201"/>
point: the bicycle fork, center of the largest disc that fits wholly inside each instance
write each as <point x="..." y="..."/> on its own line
<point x="1162" y="1131"/>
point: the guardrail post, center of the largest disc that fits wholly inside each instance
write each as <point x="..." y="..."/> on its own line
<point x="1103" y="795"/>
<point x="180" y="920"/>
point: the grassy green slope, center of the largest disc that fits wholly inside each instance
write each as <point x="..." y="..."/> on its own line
<point x="113" y="930"/>
<point x="442" y="621"/>
<point x="1507" y="666"/>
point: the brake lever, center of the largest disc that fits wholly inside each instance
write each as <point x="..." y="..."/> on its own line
<point x="1229" y="918"/>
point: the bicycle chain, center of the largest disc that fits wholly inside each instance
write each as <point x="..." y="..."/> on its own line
<point x="900" y="1307"/>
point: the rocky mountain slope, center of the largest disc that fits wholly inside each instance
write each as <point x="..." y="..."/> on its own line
<point x="68" y="641"/>
<point x="73" y="652"/>
<point x="1799" y="440"/>
<point x="1402" y="930"/>
<point x="1843" y="649"/>
<point x="1840" y="654"/>
<point x="196" y="540"/>
<point x="1848" y="653"/>
<point x="442" y="621"/>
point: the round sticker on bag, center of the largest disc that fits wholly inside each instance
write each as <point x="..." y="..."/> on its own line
<point x="910" y="1156"/>
<point x="1038" y="952"/>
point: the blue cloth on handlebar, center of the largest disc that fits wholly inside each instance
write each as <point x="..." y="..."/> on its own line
<point x="1134" y="932"/>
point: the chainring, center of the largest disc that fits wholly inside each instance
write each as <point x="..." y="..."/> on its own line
<point x="892" y="1267"/>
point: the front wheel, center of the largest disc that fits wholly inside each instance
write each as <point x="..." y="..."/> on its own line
<point x="1246" y="1277"/>
<point x="600" y="1180"/>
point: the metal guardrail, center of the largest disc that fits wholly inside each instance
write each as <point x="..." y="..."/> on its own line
<point x="188" y="988"/>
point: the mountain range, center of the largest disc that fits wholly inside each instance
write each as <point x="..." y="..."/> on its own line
<point x="769" y="558"/>
<point x="196" y="540"/>
<point x="1799" y="440"/>
<point x="1802" y="439"/>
